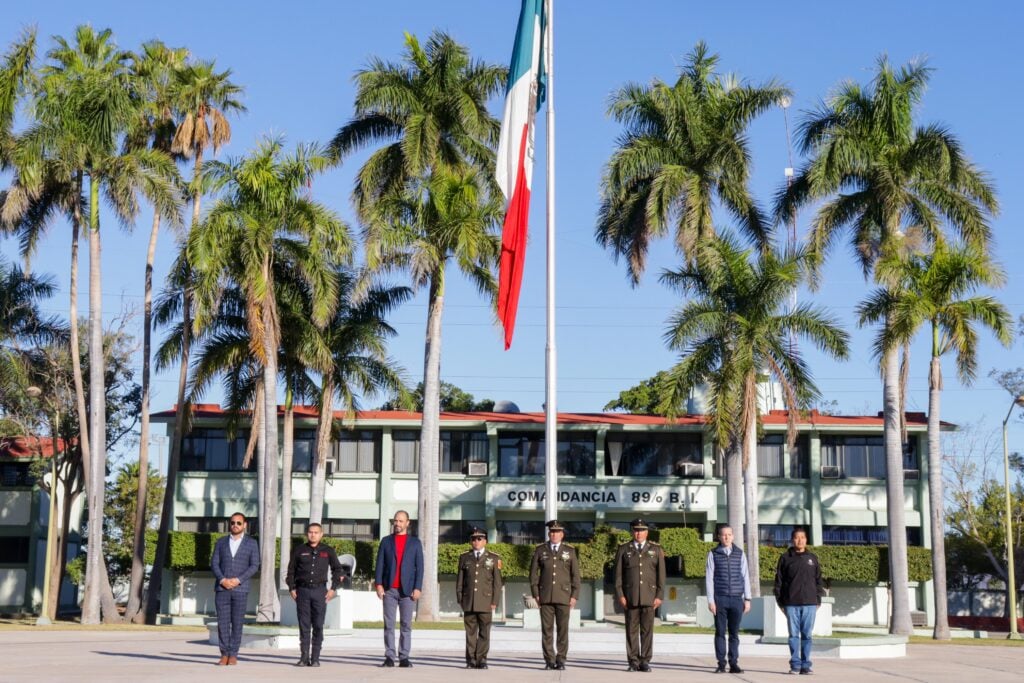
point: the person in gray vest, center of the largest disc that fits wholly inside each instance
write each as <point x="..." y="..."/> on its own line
<point x="728" y="588"/>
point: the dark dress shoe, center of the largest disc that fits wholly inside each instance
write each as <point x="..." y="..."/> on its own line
<point x="560" y="666"/>
<point x="632" y="667"/>
<point x="388" y="662"/>
<point x="645" y="667"/>
<point x="482" y="664"/>
<point x="302" y="662"/>
<point x="735" y="669"/>
<point x="720" y="669"/>
<point x="314" y="662"/>
<point x="549" y="665"/>
<point x="404" y="663"/>
<point x="470" y="665"/>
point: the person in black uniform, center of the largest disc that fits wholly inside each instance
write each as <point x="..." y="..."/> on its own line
<point x="307" y="581"/>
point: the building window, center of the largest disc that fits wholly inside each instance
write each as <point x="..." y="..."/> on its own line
<point x="862" y="456"/>
<point x="523" y="454"/>
<point x="865" y="535"/>
<point x="209" y="450"/>
<point x="457" y="530"/>
<point x="303" y="450"/>
<point x="532" y="533"/>
<point x="456" y="451"/>
<point x="770" y="450"/>
<point x="653" y="455"/>
<point x="358" y="451"/>
<point x="214" y="525"/>
<point x="15" y="474"/>
<point x="800" y="458"/>
<point x="14" y="549"/>
<point x="777" y="535"/>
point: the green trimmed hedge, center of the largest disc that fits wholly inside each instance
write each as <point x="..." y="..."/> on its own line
<point x="848" y="564"/>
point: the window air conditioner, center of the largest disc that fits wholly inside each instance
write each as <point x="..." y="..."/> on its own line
<point x="830" y="471"/>
<point x="911" y="474"/>
<point x="478" y="469"/>
<point x="693" y="469"/>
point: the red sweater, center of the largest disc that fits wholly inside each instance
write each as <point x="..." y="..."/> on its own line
<point x="399" y="552"/>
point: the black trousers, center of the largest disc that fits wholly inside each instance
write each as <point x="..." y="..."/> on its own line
<point x="311" y="607"/>
<point x="728" y="613"/>
<point x="639" y="632"/>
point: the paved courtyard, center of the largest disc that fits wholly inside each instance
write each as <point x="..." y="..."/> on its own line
<point x="37" y="655"/>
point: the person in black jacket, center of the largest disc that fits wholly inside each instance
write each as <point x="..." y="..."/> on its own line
<point x="798" y="591"/>
<point x="307" y="581"/>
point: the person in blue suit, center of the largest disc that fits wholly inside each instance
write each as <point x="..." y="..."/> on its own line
<point x="236" y="559"/>
<point x="399" y="583"/>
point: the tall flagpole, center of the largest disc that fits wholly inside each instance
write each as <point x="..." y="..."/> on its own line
<point x="551" y="356"/>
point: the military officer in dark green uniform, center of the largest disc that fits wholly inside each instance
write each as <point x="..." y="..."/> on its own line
<point x="639" y="588"/>
<point x="555" y="585"/>
<point x="477" y="586"/>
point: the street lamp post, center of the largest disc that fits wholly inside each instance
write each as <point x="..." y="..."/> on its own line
<point x="1011" y="592"/>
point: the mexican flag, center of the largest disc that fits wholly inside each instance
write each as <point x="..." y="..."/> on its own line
<point x="523" y="96"/>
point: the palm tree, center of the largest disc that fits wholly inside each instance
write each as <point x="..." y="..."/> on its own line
<point x="16" y="75"/>
<point x="264" y="218"/>
<point x="878" y="175"/>
<point x="82" y="108"/>
<point x="349" y="353"/>
<point x="153" y="71"/>
<point x="202" y="98"/>
<point x="421" y="205"/>
<point x="684" y="146"/>
<point x="935" y="289"/>
<point x="733" y="333"/>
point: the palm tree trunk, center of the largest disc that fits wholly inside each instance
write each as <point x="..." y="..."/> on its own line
<point x="318" y="482"/>
<point x="935" y="493"/>
<point x="895" y="496"/>
<point x="173" y="460"/>
<point x="268" y="610"/>
<point x="134" y="610"/>
<point x="97" y="416"/>
<point x="734" y="487"/>
<point x="751" y="537"/>
<point x="430" y="436"/>
<point x="74" y="341"/>
<point x="287" y="456"/>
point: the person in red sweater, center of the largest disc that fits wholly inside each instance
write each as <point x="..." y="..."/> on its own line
<point x="399" y="581"/>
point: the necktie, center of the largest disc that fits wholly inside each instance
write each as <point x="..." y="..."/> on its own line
<point x="554" y="548"/>
<point x="638" y="547"/>
<point x="477" y="553"/>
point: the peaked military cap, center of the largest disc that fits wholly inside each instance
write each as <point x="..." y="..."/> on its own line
<point x="555" y="525"/>
<point x="639" y="524"/>
<point x="477" y="532"/>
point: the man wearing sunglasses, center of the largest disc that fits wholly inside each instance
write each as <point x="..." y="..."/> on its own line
<point x="236" y="559"/>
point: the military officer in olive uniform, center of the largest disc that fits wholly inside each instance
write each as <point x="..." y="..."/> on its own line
<point x="477" y="586"/>
<point x="639" y="588"/>
<point x="555" y="585"/>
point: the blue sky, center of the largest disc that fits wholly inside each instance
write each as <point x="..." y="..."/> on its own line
<point x="296" y="62"/>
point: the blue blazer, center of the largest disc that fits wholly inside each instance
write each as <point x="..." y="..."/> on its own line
<point x="412" y="564"/>
<point x="242" y="566"/>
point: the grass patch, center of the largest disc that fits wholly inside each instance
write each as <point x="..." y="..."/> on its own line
<point x="416" y="625"/>
<point x="998" y="641"/>
<point x="29" y="623"/>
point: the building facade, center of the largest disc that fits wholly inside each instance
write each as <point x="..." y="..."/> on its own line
<point x="611" y="467"/>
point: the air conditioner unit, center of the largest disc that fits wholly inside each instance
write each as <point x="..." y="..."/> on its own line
<point x="330" y="468"/>
<point x="911" y="474"/>
<point x="830" y="471"/>
<point x="478" y="469"/>
<point x="693" y="469"/>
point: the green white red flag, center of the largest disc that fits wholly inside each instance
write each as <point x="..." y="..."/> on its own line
<point x="523" y="96"/>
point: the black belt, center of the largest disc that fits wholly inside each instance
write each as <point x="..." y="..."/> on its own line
<point x="311" y="585"/>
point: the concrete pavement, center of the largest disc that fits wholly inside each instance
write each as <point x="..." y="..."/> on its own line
<point x="164" y="656"/>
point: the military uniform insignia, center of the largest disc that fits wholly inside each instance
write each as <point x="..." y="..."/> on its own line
<point x="650" y="553"/>
<point x="488" y="563"/>
<point x="565" y="556"/>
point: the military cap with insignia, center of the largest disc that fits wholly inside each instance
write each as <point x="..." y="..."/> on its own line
<point x="639" y="524"/>
<point x="477" y="532"/>
<point x="555" y="525"/>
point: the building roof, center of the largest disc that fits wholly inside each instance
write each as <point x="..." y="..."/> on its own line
<point x="773" y="417"/>
<point x="26" y="447"/>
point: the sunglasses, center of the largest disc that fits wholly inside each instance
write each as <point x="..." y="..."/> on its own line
<point x="236" y="523"/>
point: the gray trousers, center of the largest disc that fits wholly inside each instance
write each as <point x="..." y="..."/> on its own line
<point x="393" y="600"/>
